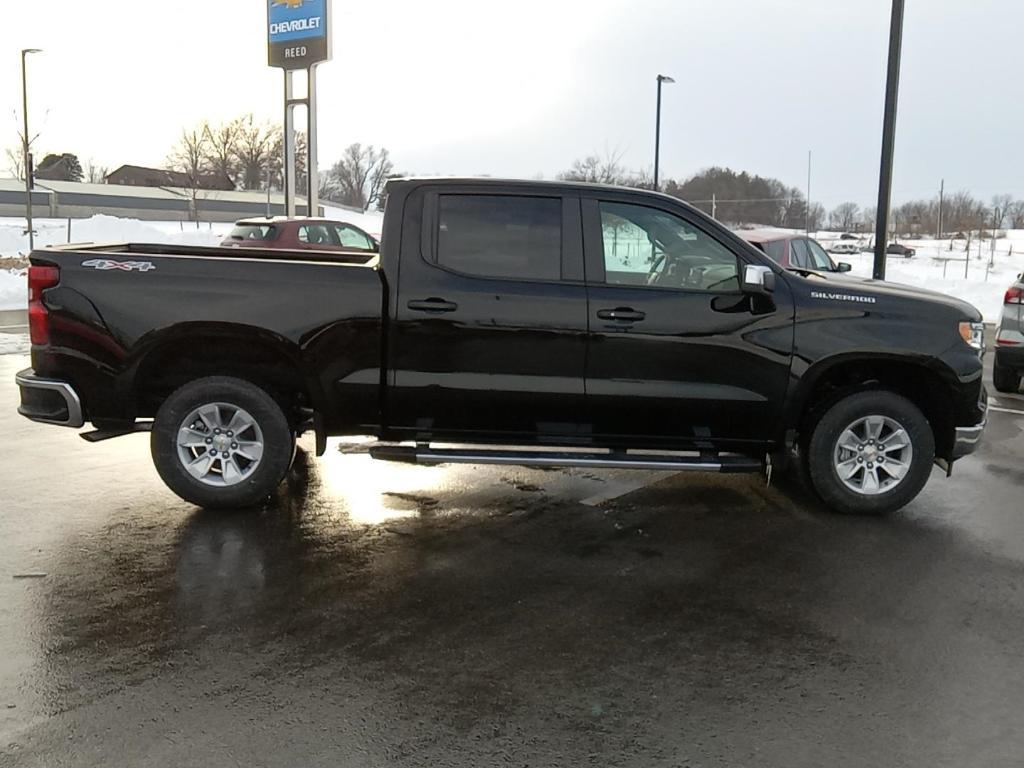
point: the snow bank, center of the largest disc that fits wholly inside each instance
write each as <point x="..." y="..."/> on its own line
<point x="14" y="344"/>
<point x="106" y="229"/>
<point x="13" y="289"/>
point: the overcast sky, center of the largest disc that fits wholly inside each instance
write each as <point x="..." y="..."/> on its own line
<point x="521" y="89"/>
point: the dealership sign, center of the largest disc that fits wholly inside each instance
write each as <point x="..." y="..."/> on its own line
<point x="298" y="35"/>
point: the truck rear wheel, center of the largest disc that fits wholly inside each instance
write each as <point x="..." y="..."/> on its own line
<point x="1005" y="379"/>
<point x="870" y="453"/>
<point x="221" y="442"/>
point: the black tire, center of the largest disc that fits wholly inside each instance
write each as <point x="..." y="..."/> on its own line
<point x="278" y="441"/>
<point x="1005" y="379"/>
<point x="821" y="448"/>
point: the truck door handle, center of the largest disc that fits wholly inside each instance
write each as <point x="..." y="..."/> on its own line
<point x="622" y="314"/>
<point x="432" y="305"/>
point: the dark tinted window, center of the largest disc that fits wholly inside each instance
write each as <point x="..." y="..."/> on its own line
<point x="253" y="232"/>
<point x="501" y="236"/>
<point x="317" y="234"/>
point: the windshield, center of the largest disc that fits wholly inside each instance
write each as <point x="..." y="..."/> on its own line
<point x="262" y="232"/>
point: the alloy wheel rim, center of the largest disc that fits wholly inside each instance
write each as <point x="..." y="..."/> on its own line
<point x="220" y="444"/>
<point x="873" y="455"/>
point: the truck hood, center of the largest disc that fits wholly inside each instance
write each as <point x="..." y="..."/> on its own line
<point x="866" y="286"/>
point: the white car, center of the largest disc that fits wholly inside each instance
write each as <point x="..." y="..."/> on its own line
<point x="844" y="247"/>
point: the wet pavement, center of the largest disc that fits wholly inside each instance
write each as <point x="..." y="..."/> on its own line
<point x="380" y="614"/>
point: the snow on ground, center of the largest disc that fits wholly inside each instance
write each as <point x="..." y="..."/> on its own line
<point x="937" y="268"/>
<point x="13" y="289"/>
<point x="14" y="344"/>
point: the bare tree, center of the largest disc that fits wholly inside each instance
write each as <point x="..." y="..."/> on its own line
<point x="95" y="174"/>
<point x="1016" y="214"/>
<point x="358" y="178"/>
<point x="606" y="169"/>
<point x="255" y="143"/>
<point x="16" y="162"/>
<point x="221" y="149"/>
<point x="277" y="161"/>
<point x="1000" y="209"/>
<point x="188" y="157"/>
<point x="844" y="217"/>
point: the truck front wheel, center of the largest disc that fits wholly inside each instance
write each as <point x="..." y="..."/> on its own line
<point x="221" y="442"/>
<point x="870" y="453"/>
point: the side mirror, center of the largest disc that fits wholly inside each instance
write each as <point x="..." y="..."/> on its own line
<point x="843" y="266"/>
<point x="758" y="279"/>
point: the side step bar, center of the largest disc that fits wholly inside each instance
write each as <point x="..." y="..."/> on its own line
<point x="619" y="460"/>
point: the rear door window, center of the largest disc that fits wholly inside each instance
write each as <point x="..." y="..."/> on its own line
<point x="502" y="236"/>
<point x="262" y="232"/>
<point x="317" y="235"/>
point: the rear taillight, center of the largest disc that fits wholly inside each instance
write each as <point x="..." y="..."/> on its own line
<point x="1014" y="296"/>
<point x="39" y="279"/>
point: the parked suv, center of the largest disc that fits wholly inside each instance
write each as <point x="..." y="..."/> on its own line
<point x="300" y="234"/>
<point x="1009" y="363"/>
<point x="897" y="249"/>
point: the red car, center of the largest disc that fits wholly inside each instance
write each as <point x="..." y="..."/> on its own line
<point x="790" y="250"/>
<point x="300" y="234"/>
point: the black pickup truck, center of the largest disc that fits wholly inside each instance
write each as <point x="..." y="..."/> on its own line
<point x="508" y="322"/>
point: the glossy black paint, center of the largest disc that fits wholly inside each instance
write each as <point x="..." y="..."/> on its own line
<point x="406" y="349"/>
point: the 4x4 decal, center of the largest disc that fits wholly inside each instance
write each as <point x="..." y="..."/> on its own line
<point x="125" y="266"/>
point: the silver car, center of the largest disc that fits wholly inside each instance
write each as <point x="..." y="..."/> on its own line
<point x="1009" y="363"/>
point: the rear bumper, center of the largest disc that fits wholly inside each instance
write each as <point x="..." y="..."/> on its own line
<point x="49" y="401"/>
<point x="1010" y="356"/>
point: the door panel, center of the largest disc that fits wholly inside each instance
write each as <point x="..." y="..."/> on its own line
<point x="482" y="355"/>
<point x="678" y="355"/>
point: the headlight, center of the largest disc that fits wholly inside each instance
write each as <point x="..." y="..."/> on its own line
<point x="973" y="334"/>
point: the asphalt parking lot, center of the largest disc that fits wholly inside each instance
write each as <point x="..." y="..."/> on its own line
<point x="376" y="614"/>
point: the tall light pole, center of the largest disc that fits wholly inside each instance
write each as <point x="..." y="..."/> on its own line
<point x="657" y="129"/>
<point x="892" y="89"/>
<point x="25" y="146"/>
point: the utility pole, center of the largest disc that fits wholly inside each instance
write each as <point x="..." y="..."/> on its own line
<point x="26" y="145"/>
<point x="942" y="190"/>
<point x="807" y="216"/>
<point x="657" y="129"/>
<point x="714" y="206"/>
<point x="892" y="87"/>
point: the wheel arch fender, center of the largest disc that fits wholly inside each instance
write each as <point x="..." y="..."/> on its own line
<point x="164" y="359"/>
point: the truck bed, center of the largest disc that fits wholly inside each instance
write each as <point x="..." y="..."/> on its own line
<point x="129" y="317"/>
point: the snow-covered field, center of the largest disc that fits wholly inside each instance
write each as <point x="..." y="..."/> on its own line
<point x="937" y="268"/>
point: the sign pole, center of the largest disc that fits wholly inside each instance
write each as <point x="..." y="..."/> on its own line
<point x="299" y="38"/>
<point x="312" y="172"/>
<point x="289" y="143"/>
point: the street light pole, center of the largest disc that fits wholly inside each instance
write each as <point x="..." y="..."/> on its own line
<point x="26" y="155"/>
<point x="657" y="129"/>
<point x="892" y="88"/>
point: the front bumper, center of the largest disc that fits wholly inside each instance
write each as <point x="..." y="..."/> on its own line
<point x="967" y="438"/>
<point x="49" y="401"/>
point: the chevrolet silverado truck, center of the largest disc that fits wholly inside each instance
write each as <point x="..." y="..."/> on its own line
<point x="508" y="322"/>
